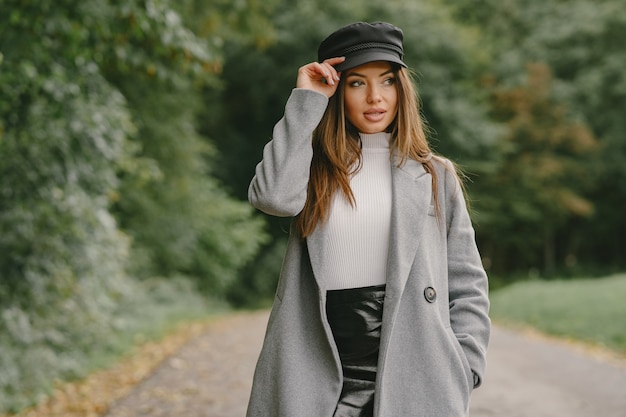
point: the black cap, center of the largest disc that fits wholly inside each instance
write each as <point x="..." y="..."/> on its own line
<point x="361" y="43"/>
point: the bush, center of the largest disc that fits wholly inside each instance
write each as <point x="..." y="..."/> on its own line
<point x="67" y="342"/>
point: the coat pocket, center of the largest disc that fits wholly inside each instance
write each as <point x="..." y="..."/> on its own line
<point x="464" y="363"/>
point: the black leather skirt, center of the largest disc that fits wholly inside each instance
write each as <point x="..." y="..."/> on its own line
<point x="355" y="317"/>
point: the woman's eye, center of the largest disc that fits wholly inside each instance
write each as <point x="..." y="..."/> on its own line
<point x="389" y="81"/>
<point x="356" y="83"/>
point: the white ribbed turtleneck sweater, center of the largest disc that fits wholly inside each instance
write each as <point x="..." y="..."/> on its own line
<point x="355" y="252"/>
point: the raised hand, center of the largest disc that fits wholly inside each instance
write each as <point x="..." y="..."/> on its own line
<point x="321" y="77"/>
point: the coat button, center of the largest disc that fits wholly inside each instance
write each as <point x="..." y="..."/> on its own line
<point x="430" y="294"/>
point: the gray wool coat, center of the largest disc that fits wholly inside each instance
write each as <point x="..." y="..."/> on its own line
<point x="435" y="327"/>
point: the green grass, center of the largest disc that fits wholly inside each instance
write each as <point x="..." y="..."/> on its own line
<point x="589" y="310"/>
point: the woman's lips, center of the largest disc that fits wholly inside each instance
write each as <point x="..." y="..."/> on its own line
<point x="375" y="115"/>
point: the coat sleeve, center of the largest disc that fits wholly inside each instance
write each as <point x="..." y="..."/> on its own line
<point x="279" y="186"/>
<point x="467" y="279"/>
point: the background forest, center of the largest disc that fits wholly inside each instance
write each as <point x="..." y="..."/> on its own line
<point x="129" y="132"/>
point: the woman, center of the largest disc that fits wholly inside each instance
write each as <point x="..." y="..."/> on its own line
<point x="378" y="222"/>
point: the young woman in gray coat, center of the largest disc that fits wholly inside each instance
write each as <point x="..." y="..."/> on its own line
<point x="381" y="308"/>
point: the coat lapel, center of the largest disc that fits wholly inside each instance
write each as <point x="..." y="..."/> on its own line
<point x="412" y="196"/>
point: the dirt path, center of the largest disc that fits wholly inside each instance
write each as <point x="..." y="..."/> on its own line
<point x="527" y="376"/>
<point x="531" y="375"/>
<point x="209" y="377"/>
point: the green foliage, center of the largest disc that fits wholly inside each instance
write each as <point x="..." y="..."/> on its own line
<point x="567" y="308"/>
<point x="580" y="42"/>
<point x="96" y="109"/>
<point x="64" y="137"/>
<point x="181" y="221"/>
<point x="540" y="181"/>
<point x="588" y="58"/>
<point x="257" y="282"/>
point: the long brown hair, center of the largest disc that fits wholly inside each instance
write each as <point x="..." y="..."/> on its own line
<point x="337" y="150"/>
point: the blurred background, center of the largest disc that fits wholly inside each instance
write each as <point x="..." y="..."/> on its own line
<point x="129" y="132"/>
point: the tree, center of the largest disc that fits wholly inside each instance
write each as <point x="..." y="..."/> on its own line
<point x="540" y="188"/>
<point x="181" y="220"/>
<point x="581" y="42"/>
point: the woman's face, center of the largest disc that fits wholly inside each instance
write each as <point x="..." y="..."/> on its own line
<point x="371" y="96"/>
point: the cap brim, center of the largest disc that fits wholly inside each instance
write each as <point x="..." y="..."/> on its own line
<point x="355" y="60"/>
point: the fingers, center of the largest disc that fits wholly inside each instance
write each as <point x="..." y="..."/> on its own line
<point x="320" y="76"/>
<point x="330" y="73"/>
<point x="336" y="60"/>
<point x="324" y="69"/>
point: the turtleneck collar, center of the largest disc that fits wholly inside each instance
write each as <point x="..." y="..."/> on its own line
<point x="375" y="140"/>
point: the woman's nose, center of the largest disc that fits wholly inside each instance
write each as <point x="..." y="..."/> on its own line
<point x="373" y="95"/>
